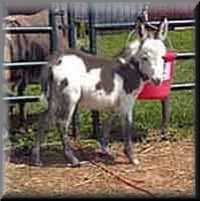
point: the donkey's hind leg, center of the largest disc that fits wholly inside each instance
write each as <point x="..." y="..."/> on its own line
<point x="43" y="125"/>
<point x="63" y="124"/>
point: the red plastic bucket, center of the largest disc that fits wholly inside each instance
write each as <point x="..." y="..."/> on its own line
<point x="150" y="91"/>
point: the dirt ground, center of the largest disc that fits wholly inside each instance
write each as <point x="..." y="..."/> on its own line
<point x="167" y="169"/>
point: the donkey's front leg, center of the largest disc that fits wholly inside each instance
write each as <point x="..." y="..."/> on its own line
<point x="105" y="132"/>
<point x="127" y="134"/>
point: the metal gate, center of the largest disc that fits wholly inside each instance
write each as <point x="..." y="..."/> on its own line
<point x="51" y="29"/>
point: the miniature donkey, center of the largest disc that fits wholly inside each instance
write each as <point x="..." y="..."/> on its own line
<point x="77" y="78"/>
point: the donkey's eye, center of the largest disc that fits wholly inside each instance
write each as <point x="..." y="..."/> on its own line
<point x="59" y="62"/>
<point x="145" y="59"/>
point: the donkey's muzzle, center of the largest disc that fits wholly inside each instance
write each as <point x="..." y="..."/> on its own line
<point x="156" y="81"/>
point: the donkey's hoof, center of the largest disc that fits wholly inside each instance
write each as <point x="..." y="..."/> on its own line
<point x="78" y="164"/>
<point x="38" y="163"/>
<point x="135" y="161"/>
<point x="73" y="165"/>
<point x="107" y="157"/>
<point x="74" y="162"/>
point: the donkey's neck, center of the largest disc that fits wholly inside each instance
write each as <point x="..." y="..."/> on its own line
<point x="131" y="77"/>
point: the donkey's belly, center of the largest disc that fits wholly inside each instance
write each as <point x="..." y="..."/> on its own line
<point x="99" y="100"/>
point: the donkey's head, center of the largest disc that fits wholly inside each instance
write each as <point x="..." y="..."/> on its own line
<point x="148" y="51"/>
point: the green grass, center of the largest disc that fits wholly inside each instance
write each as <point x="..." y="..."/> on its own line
<point x="147" y="114"/>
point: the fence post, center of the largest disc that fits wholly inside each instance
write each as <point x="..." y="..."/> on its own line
<point x="72" y="44"/>
<point x="92" y="30"/>
<point x="53" y="35"/>
<point x="71" y="27"/>
<point x="93" y="50"/>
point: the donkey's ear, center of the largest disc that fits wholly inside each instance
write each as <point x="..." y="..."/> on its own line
<point x="163" y="30"/>
<point x="141" y="30"/>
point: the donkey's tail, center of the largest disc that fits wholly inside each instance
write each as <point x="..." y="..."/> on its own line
<point x="46" y="83"/>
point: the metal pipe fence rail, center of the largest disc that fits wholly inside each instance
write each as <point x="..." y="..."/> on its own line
<point x="15" y="65"/>
<point x="20" y="99"/>
<point x="40" y="29"/>
<point x="186" y="55"/>
<point x="173" y="24"/>
<point x="184" y="85"/>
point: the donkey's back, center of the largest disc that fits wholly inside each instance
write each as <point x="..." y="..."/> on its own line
<point x="100" y="88"/>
